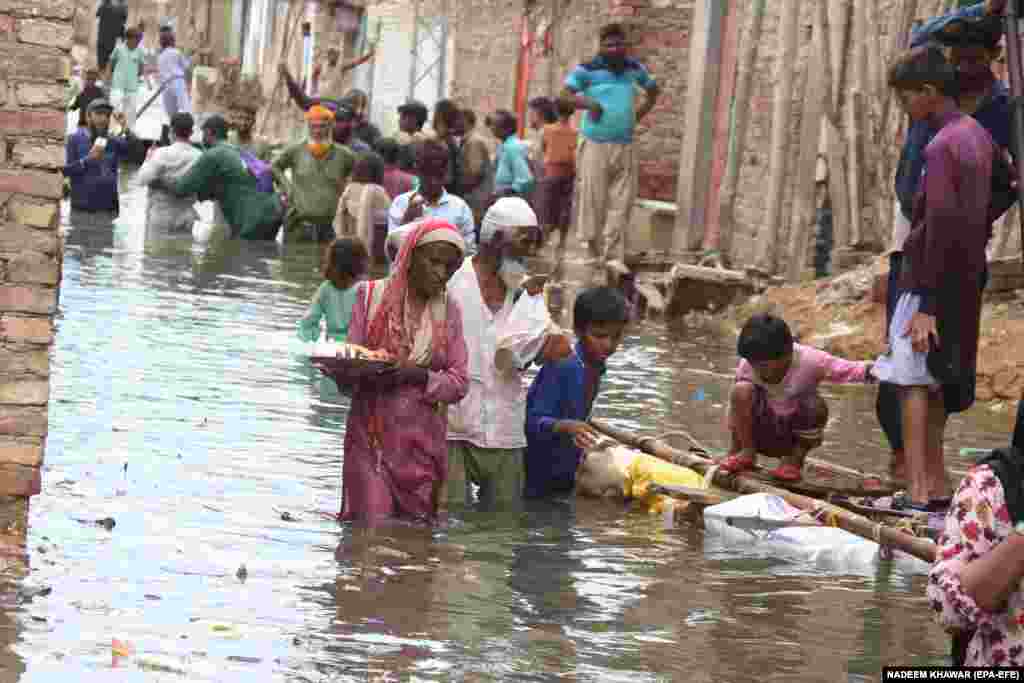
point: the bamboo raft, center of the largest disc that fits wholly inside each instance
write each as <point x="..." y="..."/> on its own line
<point x="836" y="505"/>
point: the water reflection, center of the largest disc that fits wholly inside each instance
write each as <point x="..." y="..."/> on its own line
<point x="184" y="407"/>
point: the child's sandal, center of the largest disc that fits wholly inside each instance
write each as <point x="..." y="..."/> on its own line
<point x="787" y="472"/>
<point x="737" y="463"/>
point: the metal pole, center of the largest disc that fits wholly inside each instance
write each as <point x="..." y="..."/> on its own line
<point x="1011" y="20"/>
<point x="415" y="48"/>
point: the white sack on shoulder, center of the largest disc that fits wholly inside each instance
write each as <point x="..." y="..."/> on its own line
<point x="521" y="337"/>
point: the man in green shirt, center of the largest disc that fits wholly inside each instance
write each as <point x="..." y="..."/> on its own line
<point x="220" y="175"/>
<point x="319" y="172"/>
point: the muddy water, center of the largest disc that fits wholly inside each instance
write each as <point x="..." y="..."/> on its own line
<point x="183" y="408"/>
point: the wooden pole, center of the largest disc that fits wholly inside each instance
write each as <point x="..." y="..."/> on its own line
<point x="844" y="519"/>
<point x="839" y="25"/>
<point x="291" y="23"/>
<point x="785" y="71"/>
<point x="815" y="102"/>
<point x="741" y="114"/>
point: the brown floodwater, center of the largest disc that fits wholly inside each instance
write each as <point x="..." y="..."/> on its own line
<point x="184" y="408"/>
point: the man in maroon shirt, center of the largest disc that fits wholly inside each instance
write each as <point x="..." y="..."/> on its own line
<point x="933" y="335"/>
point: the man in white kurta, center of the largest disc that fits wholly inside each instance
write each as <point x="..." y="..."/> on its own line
<point x="166" y="211"/>
<point x="486" y="434"/>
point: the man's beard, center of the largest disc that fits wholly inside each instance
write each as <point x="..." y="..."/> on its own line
<point x="99" y="132"/>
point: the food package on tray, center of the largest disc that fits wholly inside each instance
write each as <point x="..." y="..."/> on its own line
<point x="523" y="333"/>
<point x="350" y="352"/>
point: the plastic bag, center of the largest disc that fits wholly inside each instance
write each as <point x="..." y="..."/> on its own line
<point x="523" y="333"/>
<point x="621" y="472"/>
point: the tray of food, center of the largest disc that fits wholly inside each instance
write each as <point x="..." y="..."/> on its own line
<point x="339" y="356"/>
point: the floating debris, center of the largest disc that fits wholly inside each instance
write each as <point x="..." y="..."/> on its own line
<point x="287" y="517"/>
<point x="107" y="523"/>
<point x="242" y="573"/>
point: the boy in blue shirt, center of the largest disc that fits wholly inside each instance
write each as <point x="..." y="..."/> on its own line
<point x="560" y="399"/>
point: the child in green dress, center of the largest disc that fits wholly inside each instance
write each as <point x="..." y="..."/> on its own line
<point x="347" y="262"/>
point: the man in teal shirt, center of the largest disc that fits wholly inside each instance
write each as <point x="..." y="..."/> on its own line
<point x="126" y="66"/>
<point x="605" y="88"/>
<point x="512" y="176"/>
<point x="221" y="175"/>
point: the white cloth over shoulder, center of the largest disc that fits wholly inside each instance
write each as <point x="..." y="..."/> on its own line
<point x="166" y="210"/>
<point x="903" y="365"/>
<point x="522" y="334"/>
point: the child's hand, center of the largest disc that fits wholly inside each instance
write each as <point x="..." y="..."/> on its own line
<point x="583" y="435"/>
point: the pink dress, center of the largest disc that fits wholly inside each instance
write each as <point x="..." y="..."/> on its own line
<point x="399" y="480"/>
<point x="785" y="412"/>
<point x="977" y="522"/>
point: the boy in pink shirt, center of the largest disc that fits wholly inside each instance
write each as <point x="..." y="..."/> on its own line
<point x="774" y="407"/>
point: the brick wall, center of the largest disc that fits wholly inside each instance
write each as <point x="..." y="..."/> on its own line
<point x="486" y="54"/>
<point x="31" y="152"/>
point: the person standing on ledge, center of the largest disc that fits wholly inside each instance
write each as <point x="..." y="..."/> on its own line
<point x="605" y="87"/>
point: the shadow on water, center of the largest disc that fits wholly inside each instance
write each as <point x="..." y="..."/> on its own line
<point x="184" y="408"/>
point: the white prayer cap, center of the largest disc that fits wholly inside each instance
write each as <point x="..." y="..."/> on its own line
<point x="507" y="212"/>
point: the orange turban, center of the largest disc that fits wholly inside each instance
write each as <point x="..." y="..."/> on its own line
<point x="319" y="113"/>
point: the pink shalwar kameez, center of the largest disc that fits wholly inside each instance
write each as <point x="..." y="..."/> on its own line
<point x="396" y="454"/>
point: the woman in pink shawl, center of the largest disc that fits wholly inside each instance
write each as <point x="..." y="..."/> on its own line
<point x="396" y="458"/>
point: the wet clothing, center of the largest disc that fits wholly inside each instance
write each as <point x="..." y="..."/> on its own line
<point x="165" y="210"/>
<point x="396" y="455"/>
<point x="94" y="183"/>
<point x="497" y="471"/>
<point x="512" y="173"/>
<point x="615" y="92"/>
<point x="944" y="260"/>
<point x="494" y="410"/>
<point x="978" y="521"/>
<point x="173" y="68"/>
<point x="778" y="433"/>
<point x="315" y="185"/>
<point x="363" y="213"/>
<point x="563" y="390"/>
<point x="332" y="305"/>
<point x="112" y="17"/>
<point x="83" y="99"/>
<point x="810" y="367"/>
<point x="364" y="133"/>
<point x="219" y="174"/>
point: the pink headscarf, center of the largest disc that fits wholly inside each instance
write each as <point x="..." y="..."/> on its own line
<point x="389" y="327"/>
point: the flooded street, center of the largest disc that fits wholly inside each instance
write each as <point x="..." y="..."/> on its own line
<point x="184" y="408"/>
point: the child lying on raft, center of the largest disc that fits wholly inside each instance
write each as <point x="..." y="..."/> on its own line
<point x="774" y="407"/>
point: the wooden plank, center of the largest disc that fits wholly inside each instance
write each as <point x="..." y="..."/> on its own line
<point x="695" y="152"/>
<point x="785" y="72"/>
<point x="741" y="114"/>
<point x="844" y="519"/>
<point x="817" y="95"/>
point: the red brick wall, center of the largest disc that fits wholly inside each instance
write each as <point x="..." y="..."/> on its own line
<point x="35" y="39"/>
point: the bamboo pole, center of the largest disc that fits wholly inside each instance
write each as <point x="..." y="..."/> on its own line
<point x="838" y="190"/>
<point x="741" y="114"/>
<point x="815" y="104"/>
<point x="785" y="71"/>
<point x="844" y="519"/>
<point x="290" y="26"/>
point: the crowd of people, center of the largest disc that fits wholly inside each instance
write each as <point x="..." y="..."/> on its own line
<point x="438" y="164"/>
<point x="455" y="214"/>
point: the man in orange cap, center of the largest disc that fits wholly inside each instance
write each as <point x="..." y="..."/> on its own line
<point x="319" y="172"/>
